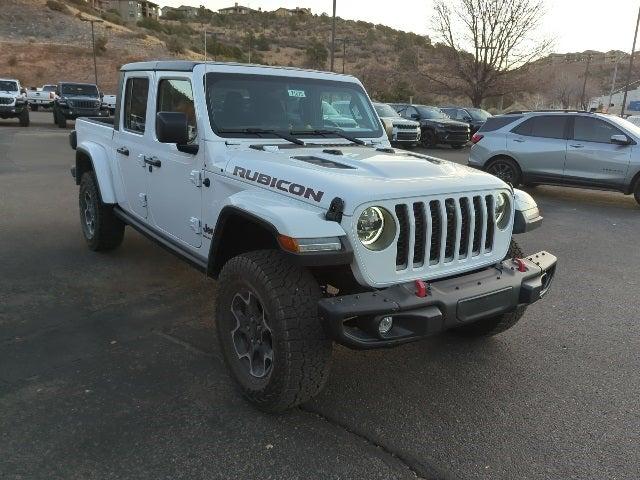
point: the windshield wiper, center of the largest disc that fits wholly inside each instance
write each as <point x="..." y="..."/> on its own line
<point x="266" y="131"/>
<point x="329" y="132"/>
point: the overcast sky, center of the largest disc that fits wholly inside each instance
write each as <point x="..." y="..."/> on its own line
<point x="576" y="25"/>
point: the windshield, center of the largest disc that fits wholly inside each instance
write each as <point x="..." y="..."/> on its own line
<point x="80" y="90"/>
<point x="49" y="88"/>
<point x="241" y="102"/>
<point x="479" y="114"/>
<point x="432" y="113"/>
<point x="626" y="124"/>
<point x="8" y="86"/>
<point x="385" y="110"/>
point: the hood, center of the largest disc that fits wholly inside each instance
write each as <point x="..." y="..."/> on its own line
<point x="400" y="121"/>
<point x="7" y="93"/>
<point x="445" y="122"/>
<point x="79" y="97"/>
<point x="359" y="175"/>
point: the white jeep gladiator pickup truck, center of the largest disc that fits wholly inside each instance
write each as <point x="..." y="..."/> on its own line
<point x="315" y="233"/>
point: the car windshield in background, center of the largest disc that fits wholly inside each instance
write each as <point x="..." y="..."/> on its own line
<point x="80" y="90"/>
<point x="6" y="86"/>
<point x="385" y="110"/>
<point x="238" y="103"/>
<point x="432" y="113"/>
<point x="479" y="114"/>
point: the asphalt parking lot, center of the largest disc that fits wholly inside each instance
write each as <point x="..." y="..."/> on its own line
<point x="109" y="366"/>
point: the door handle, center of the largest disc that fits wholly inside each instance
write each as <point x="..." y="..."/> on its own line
<point x="519" y="140"/>
<point x="123" y="151"/>
<point x="153" y="161"/>
<point x="576" y="146"/>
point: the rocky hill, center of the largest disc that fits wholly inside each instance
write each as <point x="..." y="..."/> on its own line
<point x="44" y="41"/>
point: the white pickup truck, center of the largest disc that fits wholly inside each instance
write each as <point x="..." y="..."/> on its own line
<point x="13" y="101"/>
<point x="41" y="97"/>
<point x="315" y="233"/>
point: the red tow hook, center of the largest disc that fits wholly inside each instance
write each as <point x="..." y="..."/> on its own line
<point x="421" y="288"/>
<point x="522" y="267"/>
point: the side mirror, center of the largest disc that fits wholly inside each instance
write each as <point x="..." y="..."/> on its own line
<point x="23" y="91"/>
<point x="171" y="127"/>
<point x="415" y="116"/>
<point x="466" y="118"/>
<point x="620" y="140"/>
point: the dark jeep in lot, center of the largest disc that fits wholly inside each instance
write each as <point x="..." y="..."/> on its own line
<point x="437" y="128"/>
<point x="75" y="100"/>
<point x="474" y="117"/>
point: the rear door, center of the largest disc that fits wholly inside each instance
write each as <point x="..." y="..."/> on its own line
<point x="130" y="138"/>
<point x="175" y="185"/>
<point x="592" y="160"/>
<point x="539" y="144"/>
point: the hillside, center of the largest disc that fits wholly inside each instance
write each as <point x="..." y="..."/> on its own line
<point x="41" y="44"/>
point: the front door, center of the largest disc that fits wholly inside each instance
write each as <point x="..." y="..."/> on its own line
<point x="592" y="160"/>
<point x="129" y="141"/>
<point x="175" y="185"/>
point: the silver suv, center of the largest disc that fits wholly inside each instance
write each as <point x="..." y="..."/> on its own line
<point x="578" y="149"/>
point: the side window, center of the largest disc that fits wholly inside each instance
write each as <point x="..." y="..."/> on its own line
<point x="135" y="104"/>
<point x="409" y="112"/>
<point x="593" y="130"/>
<point x="544" y="126"/>
<point x="549" y="126"/>
<point x="524" y="128"/>
<point x="177" y="96"/>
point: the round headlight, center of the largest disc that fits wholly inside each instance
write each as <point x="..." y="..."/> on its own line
<point x="502" y="210"/>
<point x="376" y="228"/>
<point x="370" y="225"/>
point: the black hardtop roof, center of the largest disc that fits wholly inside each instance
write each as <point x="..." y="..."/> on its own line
<point x="77" y="83"/>
<point x="188" y="66"/>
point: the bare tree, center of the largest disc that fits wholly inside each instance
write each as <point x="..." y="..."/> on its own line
<point x="487" y="38"/>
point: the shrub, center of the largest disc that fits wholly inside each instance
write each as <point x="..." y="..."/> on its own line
<point x="101" y="44"/>
<point x="316" y="55"/>
<point x="151" y="24"/>
<point x="57" y="6"/>
<point x="174" y="45"/>
<point x="112" y="18"/>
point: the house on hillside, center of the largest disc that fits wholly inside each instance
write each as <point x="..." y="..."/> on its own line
<point x="292" y="12"/>
<point x="236" y="10"/>
<point x="129" y="10"/>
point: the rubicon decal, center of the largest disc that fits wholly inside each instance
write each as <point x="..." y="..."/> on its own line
<point x="278" y="183"/>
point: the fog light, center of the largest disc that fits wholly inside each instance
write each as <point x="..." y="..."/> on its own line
<point x="385" y="325"/>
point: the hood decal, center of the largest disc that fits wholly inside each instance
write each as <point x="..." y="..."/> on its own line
<point x="279" y="184"/>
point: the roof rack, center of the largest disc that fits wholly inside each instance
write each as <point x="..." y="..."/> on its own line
<point x="520" y="112"/>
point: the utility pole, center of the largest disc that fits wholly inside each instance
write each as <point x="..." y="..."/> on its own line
<point x="344" y="50"/>
<point x="584" y="84"/>
<point x="215" y="36"/>
<point x="633" y="49"/>
<point x="333" y="35"/>
<point x="613" y="82"/>
<point x="93" y="43"/>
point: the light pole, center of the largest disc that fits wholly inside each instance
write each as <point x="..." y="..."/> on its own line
<point x="633" y="49"/>
<point x="215" y="36"/>
<point x="93" y="43"/>
<point x="333" y="34"/>
<point x="584" y="84"/>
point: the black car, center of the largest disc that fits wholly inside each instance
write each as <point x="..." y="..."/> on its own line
<point x="75" y="100"/>
<point x="474" y="117"/>
<point x="436" y="127"/>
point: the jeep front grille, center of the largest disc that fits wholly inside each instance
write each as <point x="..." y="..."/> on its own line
<point x="440" y="232"/>
<point x="6" y="101"/>
<point x="85" y="104"/>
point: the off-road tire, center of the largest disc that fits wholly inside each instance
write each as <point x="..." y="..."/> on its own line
<point x="500" y="323"/>
<point x="61" y="120"/>
<point x="108" y="230"/>
<point x="301" y="351"/>
<point x="505" y="164"/>
<point x="24" y="118"/>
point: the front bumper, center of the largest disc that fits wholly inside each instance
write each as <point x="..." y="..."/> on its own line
<point x="73" y="113"/>
<point x="352" y="320"/>
<point x="452" y="138"/>
<point x="7" y="111"/>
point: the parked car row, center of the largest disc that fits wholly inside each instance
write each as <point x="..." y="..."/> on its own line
<point x="570" y="148"/>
